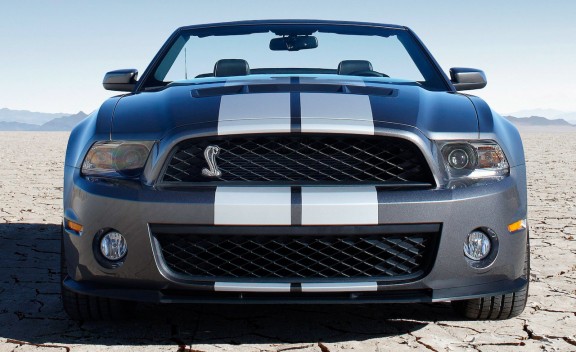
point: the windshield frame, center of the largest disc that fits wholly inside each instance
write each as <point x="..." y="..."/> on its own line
<point x="429" y="68"/>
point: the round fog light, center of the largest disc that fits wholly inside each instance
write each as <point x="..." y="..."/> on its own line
<point x="477" y="245"/>
<point x="113" y="246"/>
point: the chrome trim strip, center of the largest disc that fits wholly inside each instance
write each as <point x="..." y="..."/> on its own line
<point x="340" y="287"/>
<point x="251" y="287"/>
<point x="285" y="287"/>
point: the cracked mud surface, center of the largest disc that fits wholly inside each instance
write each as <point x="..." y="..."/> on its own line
<point x="31" y="316"/>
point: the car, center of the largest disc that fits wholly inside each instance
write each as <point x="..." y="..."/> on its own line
<point x="294" y="162"/>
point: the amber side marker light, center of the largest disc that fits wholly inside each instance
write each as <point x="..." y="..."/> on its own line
<point x="517" y="226"/>
<point x="74" y="226"/>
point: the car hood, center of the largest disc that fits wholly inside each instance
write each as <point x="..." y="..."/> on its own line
<point x="270" y="104"/>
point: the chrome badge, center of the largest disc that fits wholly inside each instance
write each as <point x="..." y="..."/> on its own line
<point x="210" y="154"/>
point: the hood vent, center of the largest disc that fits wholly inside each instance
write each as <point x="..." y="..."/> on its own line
<point x="288" y="88"/>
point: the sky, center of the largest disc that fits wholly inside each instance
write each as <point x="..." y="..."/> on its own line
<point x="54" y="54"/>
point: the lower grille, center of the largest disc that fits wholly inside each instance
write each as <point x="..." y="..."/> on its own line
<point x="391" y="256"/>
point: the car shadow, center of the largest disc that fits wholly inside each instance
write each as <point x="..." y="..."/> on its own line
<point x="31" y="310"/>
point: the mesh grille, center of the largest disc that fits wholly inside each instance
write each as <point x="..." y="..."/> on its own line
<point x="397" y="256"/>
<point x="302" y="159"/>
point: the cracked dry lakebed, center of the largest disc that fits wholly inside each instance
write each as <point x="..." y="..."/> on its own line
<point x="31" y="316"/>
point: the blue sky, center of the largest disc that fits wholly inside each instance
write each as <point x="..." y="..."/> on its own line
<point x="53" y="54"/>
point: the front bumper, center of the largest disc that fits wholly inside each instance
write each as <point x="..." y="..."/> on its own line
<point x="384" y="296"/>
<point x="130" y="209"/>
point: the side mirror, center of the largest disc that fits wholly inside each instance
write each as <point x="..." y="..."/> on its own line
<point x="120" y="80"/>
<point x="467" y="78"/>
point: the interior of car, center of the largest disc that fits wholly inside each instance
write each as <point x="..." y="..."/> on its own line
<point x="240" y="67"/>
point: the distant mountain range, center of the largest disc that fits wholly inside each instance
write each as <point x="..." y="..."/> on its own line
<point x="22" y="120"/>
<point x="30" y="117"/>
<point x="549" y="113"/>
<point x="538" y="121"/>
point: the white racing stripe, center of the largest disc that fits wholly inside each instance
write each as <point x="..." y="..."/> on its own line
<point x="340" y="287"/>
<point x="336" y="113"/>
<point x="339" y="206"/>
<point x="251" y="287"/>
<point x="252" y="206"/>
<point x="254" y="113"/>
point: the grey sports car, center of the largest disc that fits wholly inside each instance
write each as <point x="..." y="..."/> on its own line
<point x="294" y="161"/>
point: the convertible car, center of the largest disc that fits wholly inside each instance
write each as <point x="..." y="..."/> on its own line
<point x="294" y="162"/>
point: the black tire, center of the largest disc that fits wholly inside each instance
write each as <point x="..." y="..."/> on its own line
<point x="497" y="307"/>
<point x="84" y="307"/>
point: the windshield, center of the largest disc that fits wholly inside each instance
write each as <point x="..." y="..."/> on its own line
<point x="383" y="54"/>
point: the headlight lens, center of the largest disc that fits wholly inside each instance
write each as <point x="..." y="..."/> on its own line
<point x="473" y="162"/>
<point x="460" y="157"/>
<point x="118" y="159"/>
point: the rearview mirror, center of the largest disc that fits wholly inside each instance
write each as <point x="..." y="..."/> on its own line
<point x="293" y="43"/>
<point x="120" y="80"/>
<point x="464" y="78"/>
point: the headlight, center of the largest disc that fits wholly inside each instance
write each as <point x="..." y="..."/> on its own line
<point x="473" y="162"/>
<point x="118" y="159"/>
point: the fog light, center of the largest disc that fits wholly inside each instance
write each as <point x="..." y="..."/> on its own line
<point x="477" y="245"/>
<point x="113" y="246"/>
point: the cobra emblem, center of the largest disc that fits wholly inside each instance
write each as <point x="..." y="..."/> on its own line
<point x="210" y="153"/>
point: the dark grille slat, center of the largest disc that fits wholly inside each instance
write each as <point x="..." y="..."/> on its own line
<point x="259" y="165"/>
<point x="301" y="159"/>
<point x="325" y="164"/>
<point x="376" y="157"/>
<point x="294" y="161"/>
<point x="374" y="166"/>
<point x="213" y="257"/>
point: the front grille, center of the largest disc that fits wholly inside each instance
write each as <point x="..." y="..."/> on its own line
<point x="400" y="256"/>
<point x="301" y="159"/>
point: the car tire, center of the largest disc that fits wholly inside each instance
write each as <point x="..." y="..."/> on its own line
<point x="497" y="307"/>
<point x="85" y="307"/>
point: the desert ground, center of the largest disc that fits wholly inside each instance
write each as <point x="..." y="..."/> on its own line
<point x="31" y="316"/>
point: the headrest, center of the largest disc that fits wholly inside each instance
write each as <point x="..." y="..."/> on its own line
<point x="231" y="67"/>
<point x="347" y="67"/>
